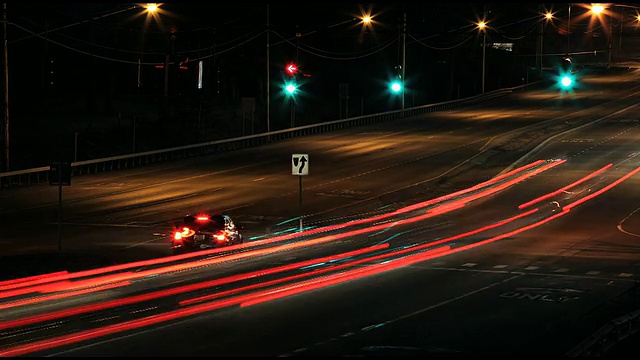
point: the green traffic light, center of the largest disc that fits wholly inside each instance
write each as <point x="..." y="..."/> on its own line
<point x="567" y="81"/>
<point x="290" y="88"/>
<point x="396" y="86"/>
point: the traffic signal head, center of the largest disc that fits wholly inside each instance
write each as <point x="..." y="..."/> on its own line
<point x="291" y="69"/>
<point x="290" y="88"/>
<point x="566" y="81"/>
<point x="396" y="86"/>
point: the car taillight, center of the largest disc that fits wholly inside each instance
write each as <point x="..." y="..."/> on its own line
<point x="186" y="232"/>
<point x="220" y="236"/>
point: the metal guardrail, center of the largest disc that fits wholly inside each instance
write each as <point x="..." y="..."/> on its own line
<point x="41" y="174"/>
<point x="609" y="335"/>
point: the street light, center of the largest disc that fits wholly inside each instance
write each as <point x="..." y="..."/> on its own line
<point x="548" y="16"/>
<point x="597" y="10"/>
<point x="151" y="9"/>
<point x="482" y="27"/>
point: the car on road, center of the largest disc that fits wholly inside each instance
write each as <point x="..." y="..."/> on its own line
<point x="198" y="232"/>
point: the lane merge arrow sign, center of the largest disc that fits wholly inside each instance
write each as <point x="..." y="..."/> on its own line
<point x="300" y="164"/>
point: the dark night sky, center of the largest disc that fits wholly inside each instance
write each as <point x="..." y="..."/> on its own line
<point x="100" y="36"/>
<point x="85" y="65"/>
<point x="101" y="29"/>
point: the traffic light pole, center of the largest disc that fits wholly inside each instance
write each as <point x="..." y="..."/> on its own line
<point x="404" y="42"/>
<point x="541" y="29"/>
<point x="484" y="56"/>
<point x="484" y="47"/>
<point x="268" y="76"/>
<point x="293" y="112"/>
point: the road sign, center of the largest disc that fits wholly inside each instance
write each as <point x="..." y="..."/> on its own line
<point x="60" y="173"/>
<point x="300" y="164"/>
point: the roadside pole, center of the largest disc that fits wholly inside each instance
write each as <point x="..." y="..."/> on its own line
<point x="300" y="167"/>
<point x="60" y="175"/>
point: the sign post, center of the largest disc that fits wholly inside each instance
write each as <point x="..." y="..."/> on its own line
<point x="300" y="167"/>
<point x="60" y="175"/>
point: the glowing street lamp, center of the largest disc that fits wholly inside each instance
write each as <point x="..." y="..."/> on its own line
<point x="152" y="7"/>
<point x="482" y="27"/>
<point x="598" y="10"/>
<point x="548" y="17"/>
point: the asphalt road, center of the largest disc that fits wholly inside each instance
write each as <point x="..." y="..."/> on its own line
<point x="126" y="215"/>
<point x="538" y="292"/>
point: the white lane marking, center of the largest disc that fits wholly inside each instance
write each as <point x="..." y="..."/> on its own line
<point x="563" y="270"/>
<point x="148" y="241"/>
<point x="237" y="207"/>
<point x="560" y="275"/>
<point x="451" y="300"/>
<point x="89" y="224"/>
<point x="500" y="266"/>
<point x="469" y="264"/>
<point x="105" y="319"/>
<point x="397" y="164"/>
<point x="532" y="268"/>
<point x="625" y="219"/>
<point x="259" y="179"/>
<point x="625" y="275"/>
<point x="593" y="272"/>
<point x="371" y="327"/>
<point x="549" y="139"/>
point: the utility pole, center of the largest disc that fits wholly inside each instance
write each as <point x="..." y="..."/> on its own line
<point x="268" y="76"/>
<point x="568" y="29"/>
<point x="542" y="24"/>
<point x="484" y="47"/>
<point x="6" y="87"/>
<point x="484" y="55"/>
<point x="610" y="39"/>
<point x="404" y="42"/>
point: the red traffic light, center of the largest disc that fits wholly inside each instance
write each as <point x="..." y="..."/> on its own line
<point x="291" y="69"/>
